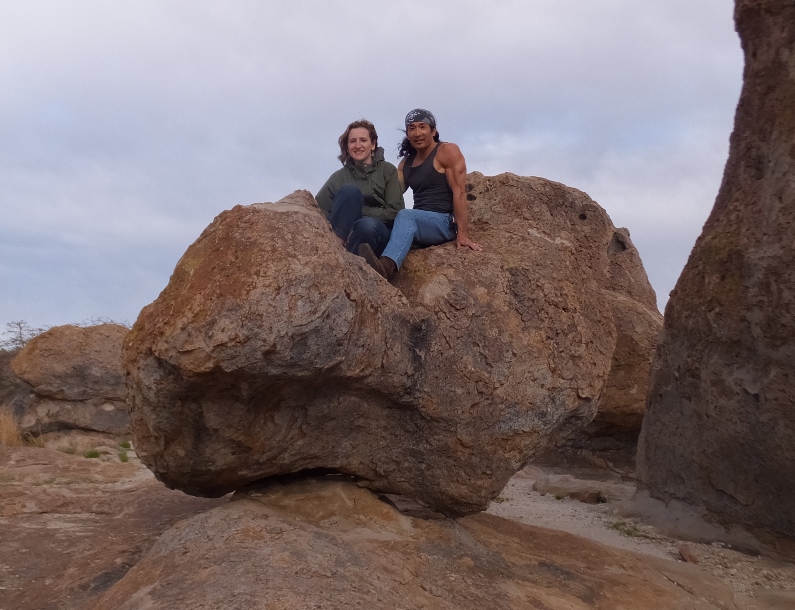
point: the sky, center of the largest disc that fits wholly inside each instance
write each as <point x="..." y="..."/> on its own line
<point x="126" y="127"/>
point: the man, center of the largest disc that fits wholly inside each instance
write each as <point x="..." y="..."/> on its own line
<point x="436" y="172"/>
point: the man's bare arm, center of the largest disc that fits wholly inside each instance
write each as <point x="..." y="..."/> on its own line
<point x="455" y="169"/>
<point x="403" y="185"/>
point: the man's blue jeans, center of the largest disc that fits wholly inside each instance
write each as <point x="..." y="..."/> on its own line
<point x="420" y="227"/>
<point x="355" y="229"/>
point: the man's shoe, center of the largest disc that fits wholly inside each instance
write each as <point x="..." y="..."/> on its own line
<point x="389" y="266"/>
<point x="384" y="265"/>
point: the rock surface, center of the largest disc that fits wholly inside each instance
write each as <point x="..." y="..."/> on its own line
<point x="333" y="545"/>
<point x="720" y="430"/>
<point x="622" y="404"/>
<point x="590" y="492"/>
<point x="72" y="527"/>
<point x="10" y="384"/>
<point x="74" y="363"/>
<point x="273" y="351"/>
<point x="612" y="437"/>
<point x="73" y="381"/>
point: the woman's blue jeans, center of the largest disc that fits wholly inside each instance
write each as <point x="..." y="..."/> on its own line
<point x="355" y="229"/>
<point x="420" y="227"/>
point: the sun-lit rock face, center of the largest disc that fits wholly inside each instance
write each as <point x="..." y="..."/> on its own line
<point x="720" y="431"/>
<point x="330" y="544"/>
<point x="273" y="351"/>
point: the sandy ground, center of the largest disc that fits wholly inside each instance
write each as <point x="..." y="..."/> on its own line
<point x="754" y="577"/>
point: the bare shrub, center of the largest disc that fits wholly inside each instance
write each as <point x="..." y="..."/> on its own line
<point x="97" y="320"/>
<point x="17" y="334"/>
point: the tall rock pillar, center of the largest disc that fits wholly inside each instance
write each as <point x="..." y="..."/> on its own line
<point x="720" y="427"/>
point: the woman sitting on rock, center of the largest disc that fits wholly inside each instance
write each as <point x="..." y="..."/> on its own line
<point x="362" y="199"/>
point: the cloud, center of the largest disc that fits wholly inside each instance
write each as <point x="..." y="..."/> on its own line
<point x="127" y="128"/>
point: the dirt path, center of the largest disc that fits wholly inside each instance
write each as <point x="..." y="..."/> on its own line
<point x="755" y="579"/>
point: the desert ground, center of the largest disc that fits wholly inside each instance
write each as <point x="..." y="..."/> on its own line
<point x="73" y="525"/>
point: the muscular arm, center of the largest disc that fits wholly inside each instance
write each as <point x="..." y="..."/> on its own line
<point x="452" y="162"/>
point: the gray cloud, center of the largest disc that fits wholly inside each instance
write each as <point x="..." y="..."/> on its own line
<point x="127" y="128"/>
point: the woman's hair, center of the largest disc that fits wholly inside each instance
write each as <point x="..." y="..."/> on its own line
<point x="405" y="148"/>
<point x="344" y="156"/>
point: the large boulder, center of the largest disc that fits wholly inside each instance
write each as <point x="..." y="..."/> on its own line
<point x="75" y="380"/>
<point x="272" y="350"/>
<point x="611" y="438"/>
<point x="333" y="545"/>
<point x="623" y="400"/>
<point x="720" y="430"/>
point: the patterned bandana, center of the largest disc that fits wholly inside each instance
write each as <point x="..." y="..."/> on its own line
<point x="420" y="115"/>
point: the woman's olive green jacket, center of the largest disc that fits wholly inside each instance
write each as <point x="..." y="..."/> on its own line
<point x="383" y="197"/>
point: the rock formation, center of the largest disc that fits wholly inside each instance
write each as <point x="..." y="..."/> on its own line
<point x="72" y="526"/>
<point x="720" y="431"/>
<point x="10" y="384"/>
<point x="333" y="545"/>
<point x="273" y="351"/>
<point x="76" y="381"/>
<point x="612" y="436"/>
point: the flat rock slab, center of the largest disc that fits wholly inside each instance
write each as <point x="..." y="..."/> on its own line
<point x="318" y="544"/>
<point x="70" y="527"/>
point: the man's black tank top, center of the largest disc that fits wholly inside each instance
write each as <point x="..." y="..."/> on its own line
<point x="429" y="187"/>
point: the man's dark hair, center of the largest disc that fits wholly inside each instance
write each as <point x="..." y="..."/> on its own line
<point x="406" y="149"/>
<point x="343" y="141"/>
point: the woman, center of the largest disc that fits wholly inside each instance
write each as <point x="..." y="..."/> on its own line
<point x="362" y="199"/>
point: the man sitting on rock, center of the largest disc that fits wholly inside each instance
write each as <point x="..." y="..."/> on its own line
<point x="436" y="172"/>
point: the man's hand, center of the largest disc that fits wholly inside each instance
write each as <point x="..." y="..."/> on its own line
<point x="462" y="241"/>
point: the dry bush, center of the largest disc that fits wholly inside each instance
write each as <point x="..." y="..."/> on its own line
<point x="10" y="435"/>
<point x="9" y="431"/>
<point x="17" y="334"/>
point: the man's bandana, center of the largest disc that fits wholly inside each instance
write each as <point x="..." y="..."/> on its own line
<point x="420" y="115"/>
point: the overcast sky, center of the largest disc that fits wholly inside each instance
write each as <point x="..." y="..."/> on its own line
<point x="126" y="127"/>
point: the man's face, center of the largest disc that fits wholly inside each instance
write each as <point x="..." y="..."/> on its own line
<point x="420" y="135"/>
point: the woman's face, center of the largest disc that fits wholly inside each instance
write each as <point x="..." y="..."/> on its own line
<point x="360" y="146"/>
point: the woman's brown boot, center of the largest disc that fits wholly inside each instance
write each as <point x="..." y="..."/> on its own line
<point x="384" y="265"/>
